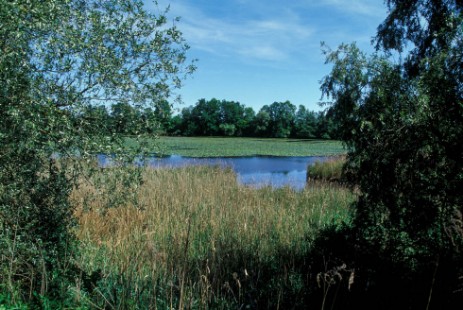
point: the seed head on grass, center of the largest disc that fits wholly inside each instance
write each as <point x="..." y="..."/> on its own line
<point x="228" y="224"/>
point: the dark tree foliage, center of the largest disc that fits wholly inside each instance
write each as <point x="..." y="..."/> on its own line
<point x="246" y="122"/>
<point x="160" y="118"/>
<point x="282" y="115"/>
<point x="305" y="123"/>
<point x="208" y="118"/>
<point x="262" y="122"/>
<point x="430" y="26"/>
<point x="403" y="125"/>
<point x="230" y="118"/>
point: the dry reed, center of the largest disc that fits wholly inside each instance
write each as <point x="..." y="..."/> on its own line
<point x="191" y="226"/>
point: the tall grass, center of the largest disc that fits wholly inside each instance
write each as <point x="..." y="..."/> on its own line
<point x="197" y="239"/>
<point x="328" y="171"/>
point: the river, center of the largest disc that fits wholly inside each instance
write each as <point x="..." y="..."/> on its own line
<point x="257" y="171"/>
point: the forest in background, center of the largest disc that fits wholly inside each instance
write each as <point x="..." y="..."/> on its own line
<point x="211" y="118"/>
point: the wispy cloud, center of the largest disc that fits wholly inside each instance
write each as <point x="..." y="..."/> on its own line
<point x="259" y="51"/>
<point x="269" y="33"/>
<point x="251" y="38"/>
<point x="263" y="52"/>
<point x="358" y="7"/>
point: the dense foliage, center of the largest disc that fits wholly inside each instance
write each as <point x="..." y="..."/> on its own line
<point x="403" y="123"/>
<point x="58" y="59"/>
<point x="214" y="118"/>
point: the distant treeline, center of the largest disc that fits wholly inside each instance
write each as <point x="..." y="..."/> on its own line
<point x="213" y="118"/>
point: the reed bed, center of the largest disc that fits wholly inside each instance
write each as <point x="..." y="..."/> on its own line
<point x="327" y="171"/>
<point x="195" y="238"/>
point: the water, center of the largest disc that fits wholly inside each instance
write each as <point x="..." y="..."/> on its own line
<point x="256" y="171"/>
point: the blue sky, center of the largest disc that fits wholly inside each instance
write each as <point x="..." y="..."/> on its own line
<point x="260" y="51"/>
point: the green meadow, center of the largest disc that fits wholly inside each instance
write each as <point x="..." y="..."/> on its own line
<point x="228" y="147"/>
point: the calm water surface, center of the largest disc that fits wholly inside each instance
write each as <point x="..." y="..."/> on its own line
<point x="256" y="171"/>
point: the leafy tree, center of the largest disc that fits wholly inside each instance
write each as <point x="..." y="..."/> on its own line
<point x="206" y="116"/>
<point x="125" y="118"/>
<point x="95" y="118"/>
<point x="282" y="115"/>
<point x="227" y="129"/>
<point x="176" y="126"/>
<point x="232" y="118"/>
<point x="305" y="123"/>
<point x="162" y="114"/>
<point x="262" y="122"/>
<point x="214" y="117"/>
<point x="430" y="27"/>
<point x="57" y="58"/>
<point x="403" y="123"/>
<point x="151" y="122"/>
<point x="246" y="122"/>
<point x="327" y="127"/>
<point x="188" y="125"/>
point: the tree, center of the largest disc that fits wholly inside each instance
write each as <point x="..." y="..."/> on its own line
<point x="206" y="116"/>
<point x="402" y="123"/>
<point x="176" y="126"/>
<point x="431" y="27"/>
<point x="327" y="127"/>
<point x="125" y="119"/>
<point x="231" y="118"/>
<point x="96" y="118"/>
<point x="57" y="58"/>
<point x="246" y="122"/>
<point x="162" y="115"/>
<point x="188" y="125"/>
<point x="262" y="122"/>
<point x="282" y="115"/>
<point x="305" y="123"/>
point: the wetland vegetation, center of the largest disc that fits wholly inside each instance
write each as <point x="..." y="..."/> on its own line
<point x="195" y="238"/>
<point x="76" y="235"/>
<point x="231" y="147"/>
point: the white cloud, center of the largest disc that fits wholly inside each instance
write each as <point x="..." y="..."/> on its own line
<point x="258" y="38"/>
<point x="274" y="32"/>
<point x="263" y="52"/>
<point x="359" y="7"/>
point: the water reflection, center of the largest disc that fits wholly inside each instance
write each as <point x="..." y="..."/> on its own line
<point x="256" y="171"/>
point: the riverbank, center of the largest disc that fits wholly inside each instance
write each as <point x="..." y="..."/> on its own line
<point x="237" y="147"/>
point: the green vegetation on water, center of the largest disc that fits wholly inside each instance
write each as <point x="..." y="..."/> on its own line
<point x="230" y="147"/>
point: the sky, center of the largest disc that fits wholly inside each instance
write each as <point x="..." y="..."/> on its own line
<point x="257" y="52"/>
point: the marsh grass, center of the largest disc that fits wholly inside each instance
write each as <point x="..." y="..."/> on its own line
<point x="196" y="239"/>
<point x="328" y="171"/>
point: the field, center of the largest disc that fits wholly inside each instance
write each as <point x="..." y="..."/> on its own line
<point x="226" y="147"/>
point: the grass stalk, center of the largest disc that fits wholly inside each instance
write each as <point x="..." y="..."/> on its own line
<point x="232" y="244"/>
